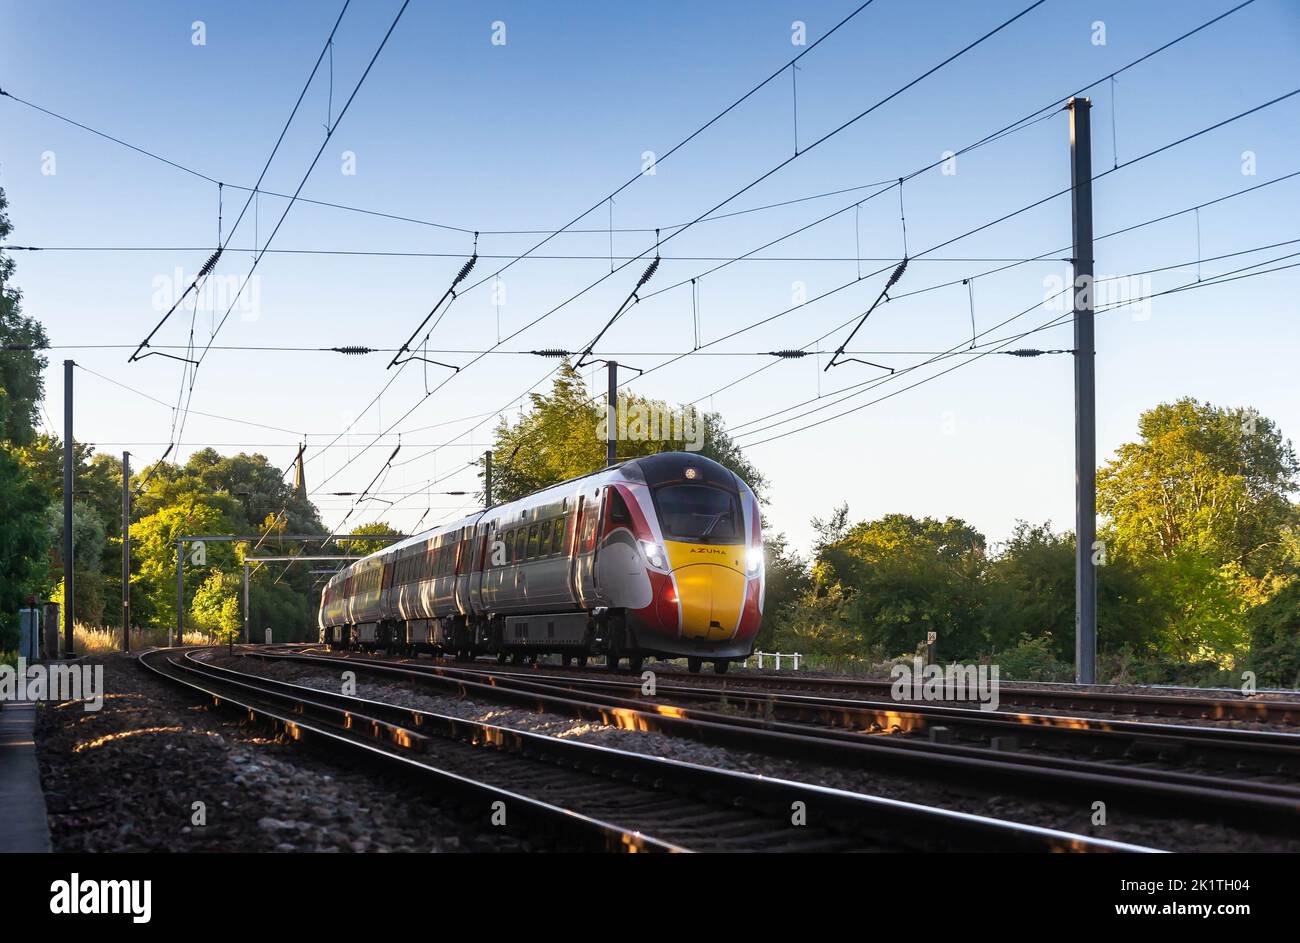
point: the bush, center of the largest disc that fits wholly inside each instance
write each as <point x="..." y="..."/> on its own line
<point x="1032" y="659"/>
<point x="1275" y="639"/>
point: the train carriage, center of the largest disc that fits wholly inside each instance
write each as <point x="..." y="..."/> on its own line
<point x="659" y="556"/>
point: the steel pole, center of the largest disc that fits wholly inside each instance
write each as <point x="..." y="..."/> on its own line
<point x="69" y="580"/>
<point x="180" y="591"/>
<point x="126" y="551"/>
<point x="1085" y="398"/>
<point x="247" y="637"/>
<point x="611" y="416"/>
<point x="487" y="479"/>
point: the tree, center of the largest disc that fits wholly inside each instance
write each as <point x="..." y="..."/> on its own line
<point x="1275" y="638"/>
<point x="24" y="544"/>
<point x="361" y="548"/>
<point x="88" y="541"/>
<point x="879" y="587"/>
<point x="562" y="436"/>
<point x="22" y="384"/>
<point x="1205" y="480"/>
<point x="24" y="538"/>
<point x="786" y="581"/>
<point x="248" y="488"/>
<point x="215" y="608"/>
<point x="153" y="544"/>
<point x="1031" y="597"/>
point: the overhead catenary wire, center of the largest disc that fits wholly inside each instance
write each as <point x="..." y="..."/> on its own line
<point x="216" y="255"/>
<point x="1056" y="321"/>
<point x="629" y="182"/>
<point x="1123" y="165"/>
<point x="1135" y="62"/>
<point x="659" y="160"/>
<point x="1129" y="65"/>
<point x="816" y="143"/>
<point x="258" y="258"/>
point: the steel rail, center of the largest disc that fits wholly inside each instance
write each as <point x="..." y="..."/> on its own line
<point x="1269" y="751"/>
<point x="905" y="824"/>
<point x="1195" y="794"/>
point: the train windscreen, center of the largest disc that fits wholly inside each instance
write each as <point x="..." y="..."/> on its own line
<point x="698" y="513"/>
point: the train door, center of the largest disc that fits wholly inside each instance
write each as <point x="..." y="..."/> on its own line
<point x="464" y="568"/>
<point x="478" y="572"/>
<point x="585" y="532"/>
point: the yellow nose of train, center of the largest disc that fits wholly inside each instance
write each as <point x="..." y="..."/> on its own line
<point x="710" y="582"/>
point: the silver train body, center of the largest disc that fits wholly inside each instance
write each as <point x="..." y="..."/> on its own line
<point x="656" y="557"/>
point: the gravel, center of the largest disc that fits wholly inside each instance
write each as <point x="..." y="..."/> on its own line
<point x="127" y="778"/>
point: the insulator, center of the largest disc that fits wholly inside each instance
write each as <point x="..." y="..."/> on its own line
<point x="1025" y="353"/>
<point x="353" y="350"/>
<point x="210" y="263"/>
<point x="788" y="354"/>
<point x="898" y="273"/>
<point x="465" y="270"/>
<point x="649" y="272"/>
<point x="551" y="352"/>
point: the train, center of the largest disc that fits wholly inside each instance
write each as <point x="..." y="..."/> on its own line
<point x="654" y="557"/>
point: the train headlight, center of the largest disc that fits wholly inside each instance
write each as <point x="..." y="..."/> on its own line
<point x="654" y="554"/>
<point x="753" y="560"/>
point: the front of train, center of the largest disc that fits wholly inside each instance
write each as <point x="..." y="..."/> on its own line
<point x="699" y="546"/>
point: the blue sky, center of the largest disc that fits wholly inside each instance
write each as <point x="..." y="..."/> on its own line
<point x="451" y="128"/>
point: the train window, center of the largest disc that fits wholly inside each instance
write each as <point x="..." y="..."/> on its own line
<point x="544" y="539"/>
<point x="698" y="513"/>
<point x="618" y="512"/>
<point x="508" y="546"/>
<point x="532" y="541"/>
<point x="557" y="535"/>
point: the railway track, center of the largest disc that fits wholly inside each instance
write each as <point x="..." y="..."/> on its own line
<point x="1262" y="753"/>
<point x="591" y="796"/>
<point x="1261" y="709"/>
<point x="1264" y="708"/>
<point x="1258" y="801"/>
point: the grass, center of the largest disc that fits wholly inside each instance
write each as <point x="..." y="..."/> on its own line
<point x="90" y="640"/>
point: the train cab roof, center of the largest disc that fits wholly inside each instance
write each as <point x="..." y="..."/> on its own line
<point x="664" y="468"/>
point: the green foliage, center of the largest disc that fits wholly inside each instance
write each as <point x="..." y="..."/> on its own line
<point x="216" y="607"/>
<point x="24" y="544"/>
<point x="22" y="384"/>
<point x="1202" y="480"/>
<point x="786" y="582"/>
<point x="1275" y="638"/>
<point x="153" y="545"/>
<point x="901" y="578"/>
<point x="1031" y="593"/>
<point x="1032" y="659"/>
<point x="291" y="613"/>
<point x="563" y="436"/>
<point x="361" y="548"/>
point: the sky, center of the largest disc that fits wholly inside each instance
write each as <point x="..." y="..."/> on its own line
<point x="453" y="129"/>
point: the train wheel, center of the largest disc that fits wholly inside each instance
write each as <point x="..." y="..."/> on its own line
<point x="720" y="667"/>
<point x="635" y="663"/>
<point x="582" y="661"/>
<point x="693" y="665"/>
<point x="501" y="658"/>
<point x="566" y="660"/>
<point x="611" y="662"/>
